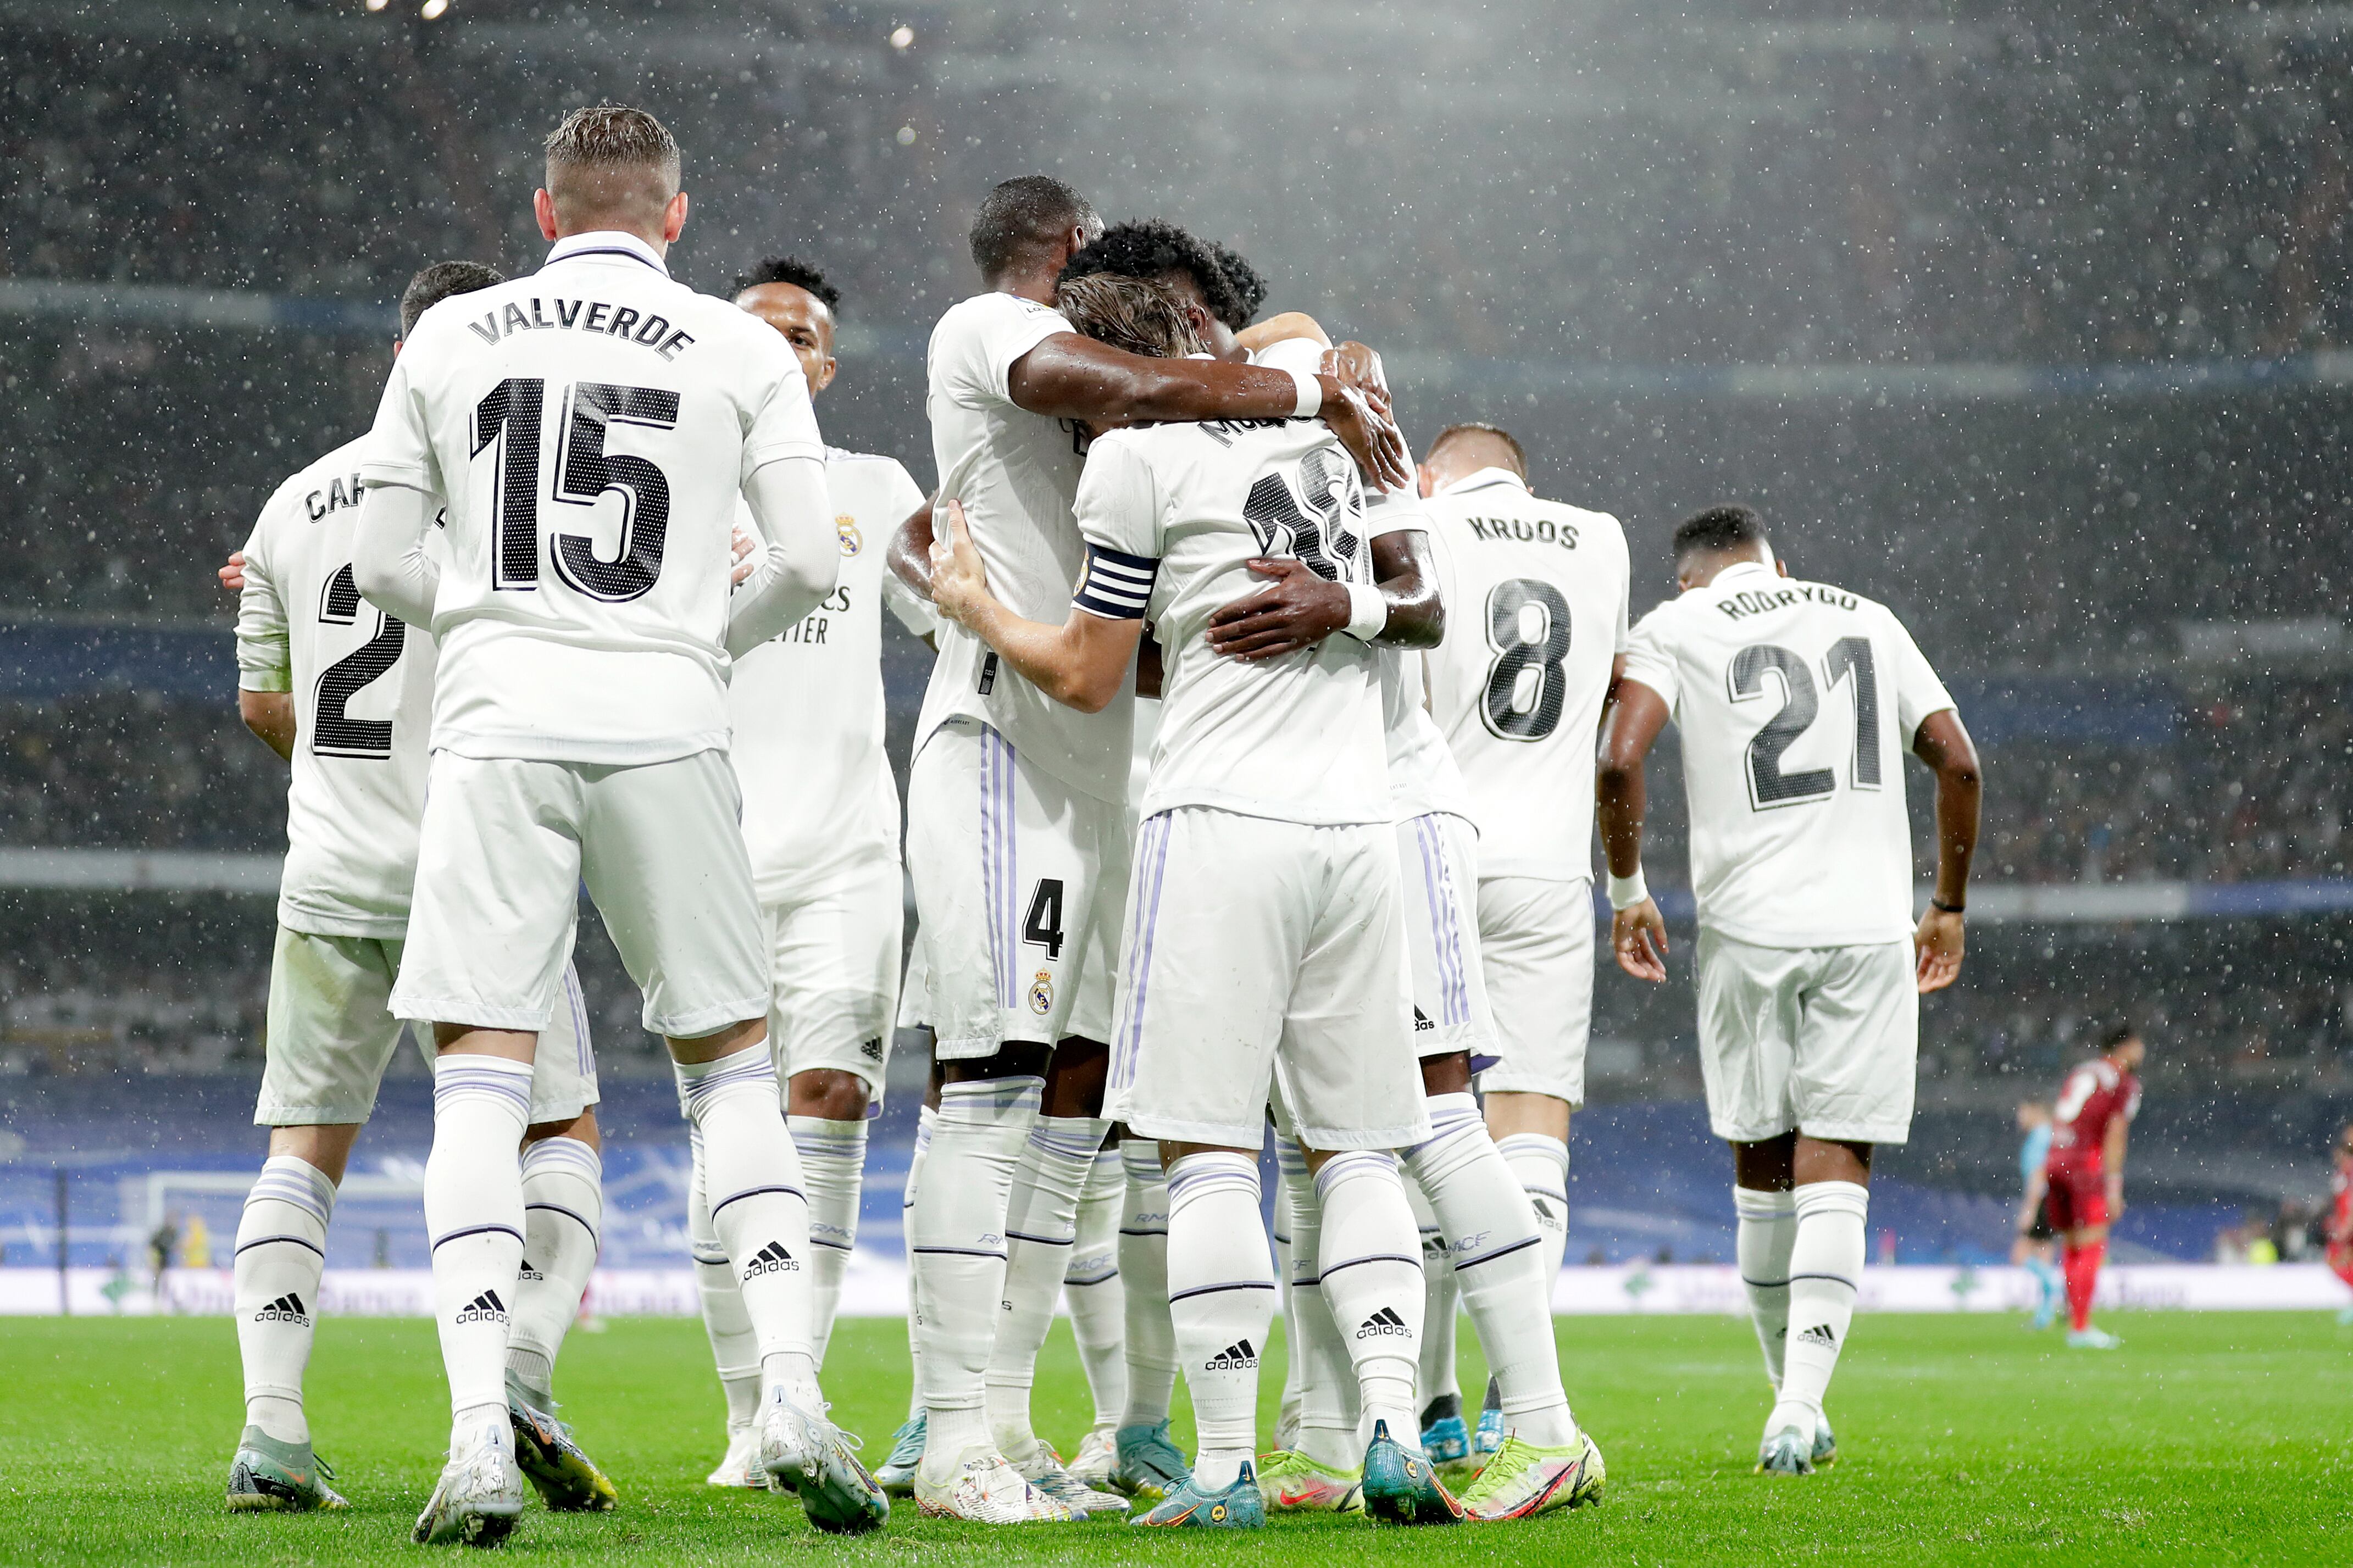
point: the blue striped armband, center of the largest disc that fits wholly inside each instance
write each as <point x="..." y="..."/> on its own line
<point x="1116" y="585"/>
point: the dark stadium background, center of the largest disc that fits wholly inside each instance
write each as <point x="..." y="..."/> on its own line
<point x="2031" y="320"/>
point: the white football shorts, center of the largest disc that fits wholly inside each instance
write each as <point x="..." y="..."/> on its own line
<point x="1265" y="956"/>
<point x="330" y="1036"/>
<point x="1537" y="937"/>
<point x="833" y="969"/>
<point x="1438" y="858"/>
<point x="1824" y="1040"/>
<point x="1020" y="880"/>
<point x="505" y="849"/>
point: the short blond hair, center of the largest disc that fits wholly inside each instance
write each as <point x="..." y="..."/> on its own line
<point x="1132" y="313"/>
<point x="1496" y="436"/>
<point x="611" y="161"/>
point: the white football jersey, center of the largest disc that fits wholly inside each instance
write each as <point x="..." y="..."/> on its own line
<point x="589" y="428"/>
<point x="1171" y="514"/>
<point x="807" y="707"/>
<point x="363" y="688"/>
<point x="1017" y="474"/>
<point x="1797" y="703"/>
<point x="1536" y="612"/>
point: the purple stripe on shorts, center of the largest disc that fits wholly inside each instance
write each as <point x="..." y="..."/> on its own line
<point x="1445" y="905"/>
<point x="1142" y="945"/>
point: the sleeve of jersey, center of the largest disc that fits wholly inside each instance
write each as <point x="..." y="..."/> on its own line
<point x="1119" y="516"/>
<point x="1918" y="692"/>
<point x="913" y="612"/>
<point x="399" y="444"/>
<point x="1649" y="660"/>
<point x="784" y="425"/>
<point x="264" y="656"/>
<point x="989" y="337"/>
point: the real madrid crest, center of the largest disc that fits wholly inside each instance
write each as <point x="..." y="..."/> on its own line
<point x="1041" y="994"/>
<point x="852" y="542"/>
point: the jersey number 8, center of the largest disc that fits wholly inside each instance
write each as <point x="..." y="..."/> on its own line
<point x="1848" y="659"/>
<point x="585" y="472"/>
<point x="1527" y="626"/>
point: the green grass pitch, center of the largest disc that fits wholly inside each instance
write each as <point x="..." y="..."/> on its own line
<point x="2208" y="1438"/>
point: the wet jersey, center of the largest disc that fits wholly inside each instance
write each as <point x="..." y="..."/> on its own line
<point x="2094" y="1096"/>
<point x="1536" y="600"/>
<point x="363" y="688"/>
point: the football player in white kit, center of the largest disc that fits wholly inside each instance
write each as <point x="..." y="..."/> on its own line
<point x="1264" y="934"/>
<point x="1017" y="836"/>
<point x="821" y="821"/>
<point x="588" y="430"/>
<point x="1795" y="702"/>
<point x="344" y="694"/>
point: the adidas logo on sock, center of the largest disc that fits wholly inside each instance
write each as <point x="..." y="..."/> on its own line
<point x="1820" y="1334"/>
<point x="485" y="1308"/>
<point x="1236" y="1357"/>
<point x="287" y="1309"/>
<point x="771" y="1259"/>
<point x="1385" y="1322"/>
<point x="528" y="1272"/>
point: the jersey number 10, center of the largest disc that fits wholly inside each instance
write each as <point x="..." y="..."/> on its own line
<point x="584" y="473"/>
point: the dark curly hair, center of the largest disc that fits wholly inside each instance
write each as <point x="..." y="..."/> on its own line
<point x="792" y="271"/>
<point x="1152" y="250"/>
<point x="1250" y="288"/>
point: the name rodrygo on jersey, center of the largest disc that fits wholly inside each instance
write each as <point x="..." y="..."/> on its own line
<point x="362" y="688"/>
<point x="1797" y="703"/>
<point x="588" y="429"/>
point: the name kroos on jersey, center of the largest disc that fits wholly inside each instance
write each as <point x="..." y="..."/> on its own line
<point x="1522" y="530"/>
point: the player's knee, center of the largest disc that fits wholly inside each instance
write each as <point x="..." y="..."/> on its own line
<point x="1077" y="1077"/>
<point x="829" y="1094"/>
<point x="581" y="1128"/>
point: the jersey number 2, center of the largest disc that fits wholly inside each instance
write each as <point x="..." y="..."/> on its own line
<point x="1848" y="659"/>
<point x="332" y="732"/>
<point x="584" y="473"/>
<point x="1527" y="626"/>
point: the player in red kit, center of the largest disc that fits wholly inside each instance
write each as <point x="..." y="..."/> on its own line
<point x="2085" y="1169"/>
<point x="2340" y="1217"/>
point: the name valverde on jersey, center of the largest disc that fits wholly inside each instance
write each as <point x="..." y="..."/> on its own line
<point x="363" y="688"/>
<point x="588" y="428"/>
<point x="1535" y="595"/>
<point x="1017" y="474"/>
<point x="1797" y="703"/>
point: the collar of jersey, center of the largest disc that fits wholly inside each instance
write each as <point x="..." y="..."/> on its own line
<point x="605" y="242"/>
<point x="1738" y="567"/>
<point x="1482" y="480"/>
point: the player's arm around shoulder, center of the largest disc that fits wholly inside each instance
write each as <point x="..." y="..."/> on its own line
<point x="1402" y="607"/>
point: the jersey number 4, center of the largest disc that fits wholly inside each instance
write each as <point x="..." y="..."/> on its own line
<point x="333" y="732"/>
<point x="1848" y="659"/>
<point x="1527" y="626"/>
<point x="584" y="473"/>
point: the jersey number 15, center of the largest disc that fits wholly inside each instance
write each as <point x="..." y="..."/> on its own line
<point x="585" y="472"/>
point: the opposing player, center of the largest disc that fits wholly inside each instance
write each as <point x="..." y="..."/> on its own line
<point x="344" y="694"/>
<point x="2032" y="1249"/>
<point x="1015" y="829"/>
<point x="2086" y="1171"/>
<point x="821" y="821"/>
<point x="588" y="430"/>
<point x="2339" y="1235"/>
<point x="1264" y="935"/>
<point x="1795" y="702"/>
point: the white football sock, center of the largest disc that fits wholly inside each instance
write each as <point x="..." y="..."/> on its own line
<point x="1542" y="1165"/>
<point x="1097" y="1300"/>
<point x="1221" y="1299"/>
<point x="957" y="1226"/>
<point x="1143" y="1266"/>
<point x="281" y="1250"/>
<point x="1286" y="1155"/>
<point x="1042" y="1233"/>
<point x="759" y="1207"/>
<point x="1435" y="1377"/>
<point x="1327" y="1380"/>
<point x="923" y="1119"/>
<point x="1825" y="1270"/>
<point x="735" y="1351"/>
<point x="1498" y="1262"/>
<point x="833" y="1164"/>
<point x="1370" y="1259"/>
<point x="563" y="1216"/>
<point x="473" y="1213"/>
<point x="1768" y="1228"/>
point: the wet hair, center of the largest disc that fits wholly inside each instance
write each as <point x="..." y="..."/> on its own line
<point x="1148" y="247"/>
<point x="1142" y="315"/>
<point x="1250" y="288"/>
<point x="1719" y="527"/>
<point x="1024" y="215"/>
<point x="612" y="160"/>
<point x="790" y="269"/>
<point x="1472" y="430"/>
<point x="442" y="280"/>
<point x="2116" y="1035"/>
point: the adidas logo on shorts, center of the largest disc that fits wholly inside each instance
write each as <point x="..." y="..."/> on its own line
<point x="1385" y="1322"/>
<point x="287" y="1309"/>
<point x="1820" y="1334"/>
<point x="771" y="1259"/>
<point x="485" y="1308"/>
<point x="871" y="1049"/>
<point x="1421" y="1024"/>
<point x="1236" y="1357"/>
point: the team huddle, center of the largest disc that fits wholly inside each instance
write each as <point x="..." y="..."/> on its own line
<point x="1254" y="787"/>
